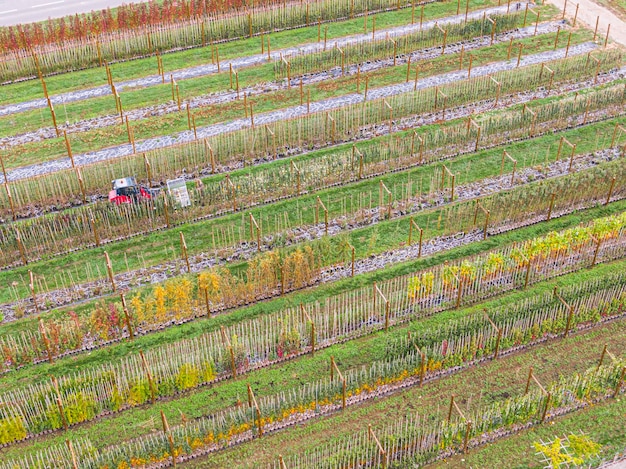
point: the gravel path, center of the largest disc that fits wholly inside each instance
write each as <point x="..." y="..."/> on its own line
<point x="268" y="87"/>
<point x="289" y="113"/>
<point x="249" y="61"/>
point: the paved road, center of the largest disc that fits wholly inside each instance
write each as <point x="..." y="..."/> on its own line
<point x="589" y="12"/>
<point x="27" y="11"/>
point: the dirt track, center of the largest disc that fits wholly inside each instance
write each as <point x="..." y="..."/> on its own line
<point x="588" y="13"/>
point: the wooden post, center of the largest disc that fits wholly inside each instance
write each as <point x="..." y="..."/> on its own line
<point x="505" y="154"/>
<point x="59" y="402"/>
<point x="387" y="304"/>
<point x="127" y="317"/>
<point x="569" y="40"/>
<point x="519" y="55"/>
<point x="372" y="436"/>
<point x="69" y="149"/>
<point x="493" y="28"/>
<point x="445" y="171"/>
<point x="421" y="232"/>
<point x="10" y="197"/>
<point x="254" y="224"/>
<point x="20" y="246"/>
<point x="168" y="433"/>
<point x="499" y="330"/>
<point x="231" y="186"/>
<point x="333" y="368"/>
<point x="31" y="285"/>
<point x="252" y="402"/>
<point x="498" y="88"/>
<point x="353" y="258"/>
<point x="551" y="206"/>
<point x="131" y="140"/>
<point x="575" y="15"/>
<point x="317" y="205"/>
<point x="146" y="369"/>
<point x="46" y="341"/>
<point x="556" y="39"/>
<point x="297" y="171"/>
<point x="487" y="213"/>
<point x="70" y="447"/>
<point x="615" y="130"/>
<point x="608" y="197"/>
<point x="305" y="314"/>
<point x="183" y="247"/>
<point x="598" y="242"/>
<point x="233" y="363"/>
<point x="570" y="311"/>
<point x="422" y="362"/>
<point x="109" y="270"/>
<point x="383" y="189"/>
<point x="606" y="39"/>
<point x="459" y="292"/>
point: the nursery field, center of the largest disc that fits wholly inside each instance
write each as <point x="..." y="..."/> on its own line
<point x="322" y="234"/>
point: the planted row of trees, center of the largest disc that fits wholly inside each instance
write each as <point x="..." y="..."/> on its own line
<point x="467" y="341"/>
<point x="358" y="53"/>
<point x="419" y="440"/>
<point x="28" y="52"/>
<point x="436" y="289"/>
<point x="65" y="188"/>
<point x="274" y="232"/>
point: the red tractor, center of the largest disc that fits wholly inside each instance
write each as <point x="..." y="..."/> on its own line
<point x="126" y="191"/>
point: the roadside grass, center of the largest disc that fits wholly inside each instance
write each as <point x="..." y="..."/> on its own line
<point x="160" y="246"/>
<point x="480" y="386"/>
<point x="172" y="123"/>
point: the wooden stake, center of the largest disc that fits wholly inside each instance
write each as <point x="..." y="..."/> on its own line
<point x="70" y="447"/>
<point x="168" y="433"/>
<point x="69" y="149"/>
<point x="608" y="197"/>
<point x="183" y="246"/>
<point x="149" y="376"/>
<point x="59" y="402"/>
<point x="32" y="289"/>
<point x="127" y="317"/>
<point x="20" y="246"/>
<point x="109" y="270"/>
<point x="551" y="206"/>
<point x="46" y="341"/>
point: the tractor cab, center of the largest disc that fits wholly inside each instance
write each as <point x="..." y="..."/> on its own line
<point x="126" y="191"/>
